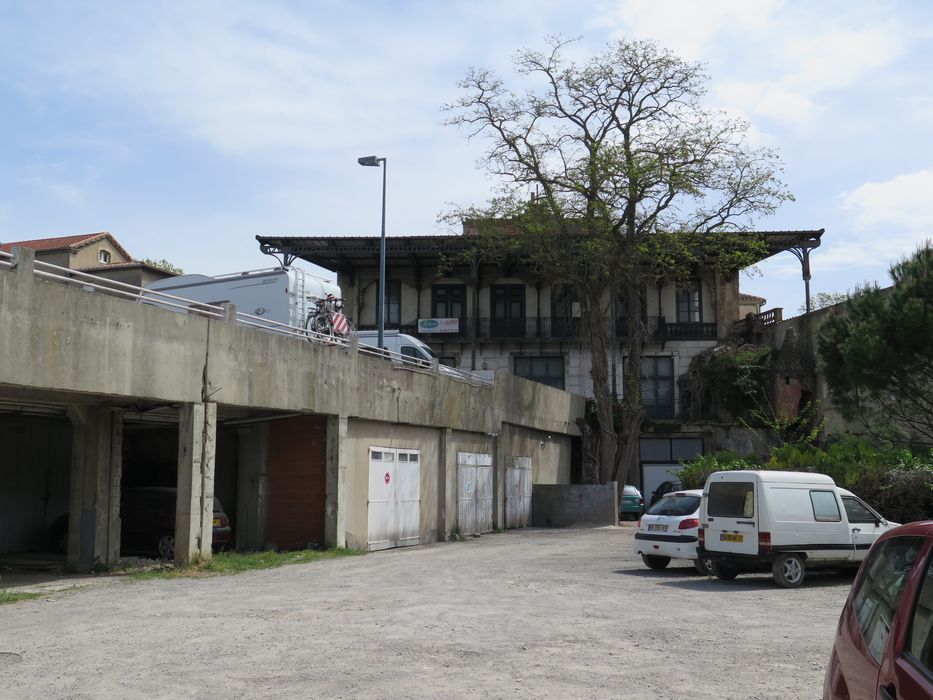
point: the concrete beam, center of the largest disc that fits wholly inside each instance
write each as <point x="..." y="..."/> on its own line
<point x="335" y="499"/>
<point x="194" y="507"/>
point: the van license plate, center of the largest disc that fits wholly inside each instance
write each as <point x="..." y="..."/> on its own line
<point x="728" y="537"/>
<point x="216" y="522"/>
<point x="655" y="527"/>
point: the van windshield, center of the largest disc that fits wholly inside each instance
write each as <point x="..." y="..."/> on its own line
<point x="735" y="499"/>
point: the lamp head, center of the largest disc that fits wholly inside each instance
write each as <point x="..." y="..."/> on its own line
<point x="371" y="161"/>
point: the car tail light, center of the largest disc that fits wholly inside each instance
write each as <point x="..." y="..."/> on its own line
<point x="764" y="541"/>
<point x="641" y="501"/>
<point x="700" y="536"/>
<point x="688" y="523"/>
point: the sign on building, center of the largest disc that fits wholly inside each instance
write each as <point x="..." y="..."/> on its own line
<point x="438" y="325"/>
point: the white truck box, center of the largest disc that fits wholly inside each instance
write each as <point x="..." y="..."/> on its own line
<point x="284" y="295"/>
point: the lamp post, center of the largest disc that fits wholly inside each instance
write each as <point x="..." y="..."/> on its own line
<point x="373" y="162"/>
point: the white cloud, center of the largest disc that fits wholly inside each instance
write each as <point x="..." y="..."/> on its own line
<point x="903" y="202"/>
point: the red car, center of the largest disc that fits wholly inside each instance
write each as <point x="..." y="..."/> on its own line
<point x="884" y="641"/>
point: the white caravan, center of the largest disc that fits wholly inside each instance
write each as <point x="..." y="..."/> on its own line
<point x="783" y="521"/>
<point x="284" y="294"/>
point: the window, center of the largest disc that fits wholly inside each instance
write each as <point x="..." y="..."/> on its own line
<point x="731" y="499"/>
<point x="547" y="370"/>
<point x="688" y="303"/>
<point x="507" y="305"/>
<point x="103" y="257"/>
<point x="448" y="301"/>
<point x="564" y="322"/>
<point x="393" y="308"/>
<point x="919" y="646"/>
<point x="657" y="386"/>
<point x="449" y="359"/>
<point x="856" y="511"/>
<point x="825" y="507"/>
<point x="675" y="505"/>
<point x="885" y="573"/>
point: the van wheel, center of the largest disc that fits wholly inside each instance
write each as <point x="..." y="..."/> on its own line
<point x="788" y="570"/>
<point x="655" y="562"/>
<point x="703" y="566"/>
<point x="723" y="571"/>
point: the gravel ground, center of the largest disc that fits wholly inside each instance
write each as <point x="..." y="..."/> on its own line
<point x="534" y="613"/>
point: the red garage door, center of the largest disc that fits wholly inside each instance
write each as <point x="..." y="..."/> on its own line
<point x="296" y="478"/>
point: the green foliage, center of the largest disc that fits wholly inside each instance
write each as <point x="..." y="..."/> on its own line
<point x="739" y="380"/>
<point x="223" y="563"/>
<point x="8" y="596"/>
<point x="876" y="354"/>
<point x="692" y="475"/>
<point x="892" y="479"/>
<point x="163" y="264"/>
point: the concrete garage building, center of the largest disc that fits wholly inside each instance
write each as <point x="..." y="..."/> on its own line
<point x="303" y="442"/>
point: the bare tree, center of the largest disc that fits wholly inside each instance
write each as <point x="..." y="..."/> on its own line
<point x="634" y="183"/>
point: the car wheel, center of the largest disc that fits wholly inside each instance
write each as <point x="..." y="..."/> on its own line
<point x="655" y="562"/>
<point x="166" y="547"/>
<point x="788" y="570"/>
<point x="723" y="571"/>
<point x="703" y="566"/>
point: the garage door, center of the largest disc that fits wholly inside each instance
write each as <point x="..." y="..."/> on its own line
<point x="394" y="497"/>
<point x="518" y="482"/>
<point x="474" y="494"/>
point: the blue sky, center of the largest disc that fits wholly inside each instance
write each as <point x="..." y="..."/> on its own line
<point x="185" y="129"/>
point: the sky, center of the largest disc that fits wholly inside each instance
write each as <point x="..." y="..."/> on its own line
<point x="186" y="129"/>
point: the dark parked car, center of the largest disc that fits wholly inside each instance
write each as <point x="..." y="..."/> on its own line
<point x="884" y="641"/>
<point x="147" y="517"/>
<point x="632" y="504"/>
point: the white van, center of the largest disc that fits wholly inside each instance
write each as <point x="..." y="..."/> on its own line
<point x="783" y="521"/>
<point x="393" y="341"/>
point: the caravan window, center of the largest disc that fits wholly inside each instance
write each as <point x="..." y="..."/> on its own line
<point x="735" y="499"/>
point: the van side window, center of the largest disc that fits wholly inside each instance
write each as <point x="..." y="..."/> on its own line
<point x="825" y="506"/>
<point x="856" y="511"/>
<point x="734" y="499"/>
<point x="885" y="573"/>
<point x="412" y="351"/>
<point x="920" y="638"/>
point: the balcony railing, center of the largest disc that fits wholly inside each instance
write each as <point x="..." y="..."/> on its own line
<point x="557" y="328"/>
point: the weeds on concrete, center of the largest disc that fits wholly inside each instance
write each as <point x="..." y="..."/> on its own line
<point x="226" y="563"/>
<point x="7" y="596"/>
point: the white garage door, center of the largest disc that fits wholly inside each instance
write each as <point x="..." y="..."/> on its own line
<point x="474" y="492"/>
<point x="518" y="480"/>
<point x="394" y="497"/>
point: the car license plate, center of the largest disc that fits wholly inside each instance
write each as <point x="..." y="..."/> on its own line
<point x="655" y="527"/>
<point x="729" y="537"/>
<point x="216" y="522"/>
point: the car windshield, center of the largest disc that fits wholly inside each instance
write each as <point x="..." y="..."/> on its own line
<point x="675" y="505"/>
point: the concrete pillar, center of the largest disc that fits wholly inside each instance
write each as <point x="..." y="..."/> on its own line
<point x="251" y="486"/>
<point x="501" y="463"/>
<point x="446" y="457"/>
<point x="194" y="507"/>
<point x="335" y="499"/>
<point x="96" y="469"/>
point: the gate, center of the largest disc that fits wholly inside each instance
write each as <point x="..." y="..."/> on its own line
<point x="518" y="480"/>
<point x="474" y="492"/>
<point x="394" y="498"/>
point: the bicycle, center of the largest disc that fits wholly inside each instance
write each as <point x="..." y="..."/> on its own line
<point x="326" y="318"/>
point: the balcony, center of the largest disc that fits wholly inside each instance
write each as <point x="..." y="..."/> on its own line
<point x="555" y="329"/>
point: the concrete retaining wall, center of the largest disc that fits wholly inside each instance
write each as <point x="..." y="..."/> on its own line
<point x="564" y="505"/>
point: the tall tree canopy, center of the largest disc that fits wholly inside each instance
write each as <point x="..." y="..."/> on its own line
<point x="633" y="182"/>
<point x="876" y="352"/>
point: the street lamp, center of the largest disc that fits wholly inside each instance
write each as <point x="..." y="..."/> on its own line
<point x="373" y="162"/>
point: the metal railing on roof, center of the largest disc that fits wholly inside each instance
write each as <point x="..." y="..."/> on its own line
<point x="93" y="283"/>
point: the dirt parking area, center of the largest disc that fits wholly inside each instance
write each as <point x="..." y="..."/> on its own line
<point x="536" y="613"/>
